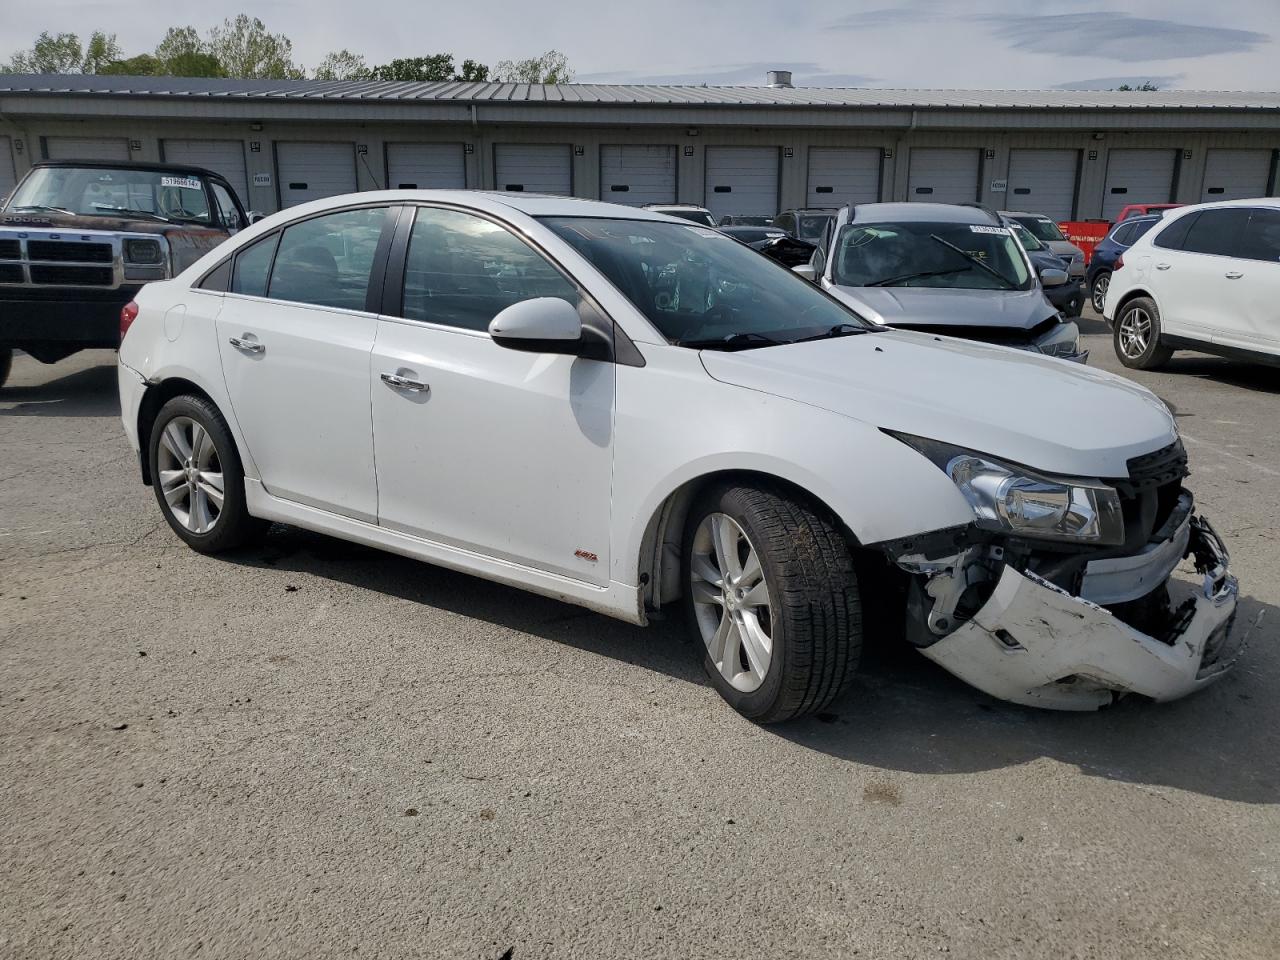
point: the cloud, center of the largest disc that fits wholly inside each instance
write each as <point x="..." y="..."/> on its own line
<point x="737" y="74"/>
<point x="1110" y="83"/>
<point x="902" y="15"/>
<point x="1119" y="36"/>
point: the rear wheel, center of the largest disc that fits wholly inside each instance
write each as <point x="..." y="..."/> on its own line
<point x="6" y="363"/>
<point x="773" y="601"/>
<point x="1137" y="335"/>
<point x="197" y="476"/>
<point x="1098" y="291"/>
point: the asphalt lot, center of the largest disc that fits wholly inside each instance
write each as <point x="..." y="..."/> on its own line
<point x="311" y="749"/>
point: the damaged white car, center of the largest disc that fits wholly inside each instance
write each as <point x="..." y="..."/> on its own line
<point x="631" y="412"/>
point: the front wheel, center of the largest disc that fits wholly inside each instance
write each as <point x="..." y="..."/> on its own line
<point x="1098" y="290"/>
<point x="1137" y="335"/>
<point x="773" y="599"/>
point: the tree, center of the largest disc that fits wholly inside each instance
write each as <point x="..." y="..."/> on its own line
<point x="63" y="54"/>
<point x="183" y="54"/>
<point x="473" y="72"/>
<point x="1146" y="87"/>
<point x="342" y="65"/>
<point x="143" y="65"/>
<point x="438" y="66"/>
<point x="101" y="50"/>
<point x="551" y="67"/>
<point x="247" y="51"/>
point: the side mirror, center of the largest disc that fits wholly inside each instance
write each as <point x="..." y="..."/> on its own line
<point x="806" y="270"/>
<point x="540" y="325"/>
<point x="255" y="216"/>
<point x="1053" y="278"/>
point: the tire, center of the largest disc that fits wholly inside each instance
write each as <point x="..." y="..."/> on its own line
<point x="795" y="652"/>
<point x="194" y="513"/>
<point x="1098" y="289"/>
<point x="6" y="364"/>
<point x="1136" y="337"/>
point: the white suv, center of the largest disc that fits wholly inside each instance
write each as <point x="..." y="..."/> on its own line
<point x="1207" y="278"/>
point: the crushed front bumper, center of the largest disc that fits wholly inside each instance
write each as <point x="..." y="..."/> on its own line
<point x="1035" y="644"/>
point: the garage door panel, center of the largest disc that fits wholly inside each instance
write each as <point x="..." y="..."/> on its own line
<point x="86" y="148"/>
<point x="312" y="171"/>
<point x="426" y="166"/>
<point x="943" y="175"/>
<point x="1236" y="174"/>
<point x="841" y="175"/>
<point x="8" y="170"/>
<point x="742" y="181"/>
<point x="533" y="168"/>
<point x="636" y="174"/>
<point x="1043" y="181"/>
<point x="1137" y="176"/>
<point x="221" y="156"/>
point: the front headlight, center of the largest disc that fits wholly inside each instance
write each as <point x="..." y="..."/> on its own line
<point x="1061" y="341"/>
<point x="142" y="251"/>
<point x="1019" y="501"/>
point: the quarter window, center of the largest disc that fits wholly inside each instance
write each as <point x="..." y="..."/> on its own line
<point x="326" y="261"/>
<point x="1123" y="234"/>
<point x="1217" y="231"/>
<point x="463" y="270"/>
<point x="1262" y="238"/>
<point x="252" y="265"/>
<point x="1175" y="234"/>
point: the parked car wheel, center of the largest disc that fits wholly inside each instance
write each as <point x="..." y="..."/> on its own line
<point x="1137" y="336"/>
<point x="197" y="476"/>
<point x="1098" y="292"/>
<point x="6" y="363"/>
<point x="773" y="600"/>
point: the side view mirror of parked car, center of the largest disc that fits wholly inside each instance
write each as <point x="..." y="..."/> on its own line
<point x="1053" y="278"/>
<point x="806" y="270"/>
<point x="255" y="216"/>
<point x="540" y="325"/>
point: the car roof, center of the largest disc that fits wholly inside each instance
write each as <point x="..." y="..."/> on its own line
<point x="130" y="165"/>
<point x="1023" y="213"/>
<point x="811" y="211"/>
<point x="670" y="206"/>
<point x="493" y="201"/>
<point x="920" y="212"/>
<point x="1273" y="202"/>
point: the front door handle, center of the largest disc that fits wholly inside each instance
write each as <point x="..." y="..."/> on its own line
<point x="1234" y="275"/>
<point x="249" y="346"/>
<point x="1163" y="266"/>
<point x="404" y="383"/>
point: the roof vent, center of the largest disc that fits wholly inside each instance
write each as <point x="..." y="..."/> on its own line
<point x="780" y="79"/>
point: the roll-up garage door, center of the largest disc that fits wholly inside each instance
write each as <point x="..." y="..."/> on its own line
<point x="221" y="156"/>
<point x="840" y="175"/>
<point x="311" y="171"/>
<point x="8" y="174"/>
<point x="742" y="181"/>
<point x="1138" y="176"/>
<point x="636" y="174"/>
<point x="943" y="175"/>
<point x="533" y="168"/>
<point x="426" y="166"/>
<point x="1236" y="174"/>
<point x="85" y="148"/>
<point x="1043" y="181"/>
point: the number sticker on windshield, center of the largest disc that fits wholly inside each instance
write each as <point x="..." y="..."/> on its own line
<point x="998" y="231"/>
<point x="186" y="183"/>
<point x="708" y="232"/>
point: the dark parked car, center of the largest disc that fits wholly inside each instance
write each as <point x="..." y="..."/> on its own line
<point x="773" y="243"/>
<point x="79" y="238"/>
<point x="1067" y="297"/>
<point x="1120" y="239"/>
<point x="805" y="224"/>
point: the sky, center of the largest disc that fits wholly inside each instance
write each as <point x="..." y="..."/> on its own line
<point x="982" y="44"/>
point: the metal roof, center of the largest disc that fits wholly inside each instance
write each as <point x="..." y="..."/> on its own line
<point x="386" y="91"/>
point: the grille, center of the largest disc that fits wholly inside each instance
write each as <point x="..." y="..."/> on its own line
<point x="72" y="276"/>
<point x="10" y="250"/>
<point x="1150" y="493"/>
<point x="1157" y="469"/>
<point x="71" y="252"/>
<point x="10" y="273"/>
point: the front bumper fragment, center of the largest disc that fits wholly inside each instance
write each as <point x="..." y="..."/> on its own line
<point x="1035" y="644"/>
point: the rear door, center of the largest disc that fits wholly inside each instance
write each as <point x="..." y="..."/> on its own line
<point x="1043" y="181"/>
<point x="636" y="174"/>
<point x="86" y="148"/>
<point x="841" y="175"/>
<point x="1253" y="322"/>
<point x="295" y="333"/>
<point x="1138" y="176"/>
<point x="426" y="166"/>
<point x="533" y="168"/>
<point x="943" y="175"/>
<point x="742" y="181"/>
<point x="221" y="156"/>
<point x="1196" y="296"/>
<point x="312" y="171"/>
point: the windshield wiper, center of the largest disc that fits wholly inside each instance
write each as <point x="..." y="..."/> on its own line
<point x="839" y="330"/>
<point x="978" y="260"/>
<point x="43" y="206"/>
<point x="890" y="281"/>
<point x="742" y="341"/>
<point x="128" y="210"/>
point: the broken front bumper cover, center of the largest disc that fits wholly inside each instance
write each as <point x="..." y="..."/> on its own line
<point x="1035" y="644"/>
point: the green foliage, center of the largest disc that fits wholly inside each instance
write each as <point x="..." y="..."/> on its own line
<point x="1146" y="87"/>
<point x="63" y="54"/>
<point x="143" y="65"/>
<point x="246" y="50"/>
<point x="473" y="71"/>
<point x="438" y="66"/>
<point x="342" y="65"/>
<point x="551" y="67"/>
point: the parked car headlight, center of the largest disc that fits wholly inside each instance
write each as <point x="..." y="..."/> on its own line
<point x="1016" y="500"/>
<point x="142" y="251"/>
<point x="1062" y="341"/>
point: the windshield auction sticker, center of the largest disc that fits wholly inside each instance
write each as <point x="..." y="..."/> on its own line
<point x="708" y="232"/>
<point x="186" y="183"/>
<point x="998" y="231"/>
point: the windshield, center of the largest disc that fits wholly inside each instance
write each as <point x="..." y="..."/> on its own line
<point x="920" y="254"/>
<point x="812" y="227"/>
<point x="1041" y="227"/>
<point x="102" y="192"/>
<point x="702" y="289"/>
<point x="697" y="216"/>
<point x="1026" y="238"/>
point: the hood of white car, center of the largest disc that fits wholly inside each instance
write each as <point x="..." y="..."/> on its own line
<point x="948" y="306"/>
<point x="1051" y="415"/>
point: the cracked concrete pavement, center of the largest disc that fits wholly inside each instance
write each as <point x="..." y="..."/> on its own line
<point x="309" y="749"/>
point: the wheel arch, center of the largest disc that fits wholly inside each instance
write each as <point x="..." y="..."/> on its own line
<point x="1130" y="296"/>
<point x="156" y="396"/>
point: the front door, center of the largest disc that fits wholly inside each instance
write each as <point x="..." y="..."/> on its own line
<point x="503" y="453"/>
<point x="295" y="336"/>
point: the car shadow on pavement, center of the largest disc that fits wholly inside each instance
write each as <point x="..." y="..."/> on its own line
<point x="91" y="392"/>
<point x="903" y="712"/>
<point x="1234" y="373"/>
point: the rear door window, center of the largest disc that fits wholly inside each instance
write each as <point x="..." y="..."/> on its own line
<point x="1217" y="232"/>
<point x="327" y="260"/>
<point x="1262" y="238"/>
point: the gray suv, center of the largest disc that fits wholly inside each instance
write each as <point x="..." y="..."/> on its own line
<point x="1050" y="234"/>
<point x="942" y="268"/>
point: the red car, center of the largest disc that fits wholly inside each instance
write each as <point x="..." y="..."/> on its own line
<point x="1138" y="209"/>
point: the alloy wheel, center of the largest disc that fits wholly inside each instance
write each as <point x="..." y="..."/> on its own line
<point x="1135" y="333"/>
<point x="190" y="474"/>
<point x="1100" y="287"/>
<point x="731" y="602"/>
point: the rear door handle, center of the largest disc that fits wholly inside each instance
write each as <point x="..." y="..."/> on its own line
<point x="1163" y="266"/>
<point x="249" y="346"/>
<point x="1234" y="274"/>
<point x="404" y="383"/>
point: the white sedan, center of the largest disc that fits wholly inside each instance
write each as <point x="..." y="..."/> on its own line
<point x="629" y="412"/>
